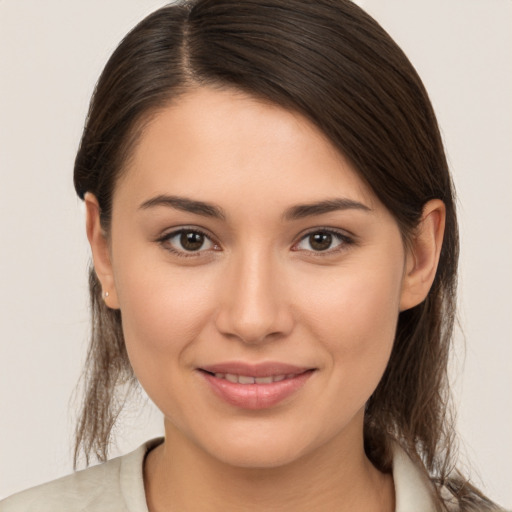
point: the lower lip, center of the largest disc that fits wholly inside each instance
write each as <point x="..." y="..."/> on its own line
<point x="256" y="396"/>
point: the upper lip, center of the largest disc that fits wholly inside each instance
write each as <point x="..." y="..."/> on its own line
<point x="266" y="369"/>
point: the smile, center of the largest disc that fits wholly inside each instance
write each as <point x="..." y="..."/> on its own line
<point x="246" y="379"/>
<point x="255" y="386"/>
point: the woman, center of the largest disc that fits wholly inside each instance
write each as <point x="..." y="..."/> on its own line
<point x="274" y="239"/>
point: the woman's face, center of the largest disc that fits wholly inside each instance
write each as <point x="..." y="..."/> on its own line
<point x="244" y="245"/>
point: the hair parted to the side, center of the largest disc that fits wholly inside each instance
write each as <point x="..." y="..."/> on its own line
<point x="331" y="62"/>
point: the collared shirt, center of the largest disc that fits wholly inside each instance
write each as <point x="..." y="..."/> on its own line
<point x="118" y="486"/>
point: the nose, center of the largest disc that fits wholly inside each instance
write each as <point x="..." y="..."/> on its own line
<point x="254" y="306"/>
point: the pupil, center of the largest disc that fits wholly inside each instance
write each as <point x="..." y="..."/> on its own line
<point x="320" y="241"/>
<point x="191" y="241"/>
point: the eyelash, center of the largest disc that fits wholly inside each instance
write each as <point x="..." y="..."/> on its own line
<point x="165" y="241"/>
<point x="343" y="239"/>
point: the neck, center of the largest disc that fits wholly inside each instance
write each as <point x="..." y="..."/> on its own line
<point x="180" y="476"/>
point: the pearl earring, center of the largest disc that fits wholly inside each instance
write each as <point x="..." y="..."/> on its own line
<point x="106" y="294"/>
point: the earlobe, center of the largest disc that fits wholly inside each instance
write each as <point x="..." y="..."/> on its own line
<point x="100" y="251"/>
<point x="423" y="255"/>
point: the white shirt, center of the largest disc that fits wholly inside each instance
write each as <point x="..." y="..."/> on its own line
<point x="118" y="486"/>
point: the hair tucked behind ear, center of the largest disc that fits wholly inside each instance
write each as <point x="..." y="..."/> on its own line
<point x="331" y="62"/>
<point x="140" y="77"/>
<point x="107" y="371"/>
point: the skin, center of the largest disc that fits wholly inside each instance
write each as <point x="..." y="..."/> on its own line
<point x="257" y="290"/>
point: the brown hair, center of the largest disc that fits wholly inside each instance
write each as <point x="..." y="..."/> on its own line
<point x="331" y="62"/>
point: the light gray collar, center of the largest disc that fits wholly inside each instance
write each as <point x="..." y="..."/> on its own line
<point x="413" y="490"/>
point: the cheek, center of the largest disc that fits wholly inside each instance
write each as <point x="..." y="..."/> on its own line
<point x="163" y="313"/>
<point x="354" y="316"/>
<point x="163" y="310"/>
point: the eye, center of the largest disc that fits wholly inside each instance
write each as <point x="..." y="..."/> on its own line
<point x="188" y="242"/>
<point x="322" y="241"/>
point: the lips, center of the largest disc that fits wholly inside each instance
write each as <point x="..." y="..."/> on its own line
<point x="255" y="386"/>
<point x="249" y="379"/>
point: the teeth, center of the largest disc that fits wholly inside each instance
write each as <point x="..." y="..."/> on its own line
<point x="242" y="379"/>
<point x="264" y="380"/>
<point x="246" y="379"/>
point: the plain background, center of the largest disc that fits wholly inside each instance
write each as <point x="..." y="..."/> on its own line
<point x="51" y="54"/>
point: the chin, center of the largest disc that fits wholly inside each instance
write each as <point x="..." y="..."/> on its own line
<point x="257" y="457"/>
<point x="263" y="451"/>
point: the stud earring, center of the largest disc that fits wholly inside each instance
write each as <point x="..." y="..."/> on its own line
<point x="106" y="294"/>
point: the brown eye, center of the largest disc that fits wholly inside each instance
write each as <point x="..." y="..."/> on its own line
<point x="188" y="242"/>
<point x="320" y="241"/>
<point x="192" y="240"/>
<point x="323" y="241"/>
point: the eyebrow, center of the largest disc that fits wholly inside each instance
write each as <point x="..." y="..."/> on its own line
<point x="294" y="213"/>
<point x="330" y="205"/>
<point x="186" y="205"/>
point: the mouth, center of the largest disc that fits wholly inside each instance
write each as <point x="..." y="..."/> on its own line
<point x="255" y="387"/>
<point x="250" y="379"/>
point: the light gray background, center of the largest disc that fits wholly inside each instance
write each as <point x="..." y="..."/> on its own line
<point x="51" y="54"/>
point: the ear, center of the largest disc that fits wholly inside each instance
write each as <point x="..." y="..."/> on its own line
<point x="422" y="255"/>
<point x="100" y="251"/>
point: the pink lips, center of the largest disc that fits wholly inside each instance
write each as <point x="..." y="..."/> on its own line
<point x="255" y="386"/>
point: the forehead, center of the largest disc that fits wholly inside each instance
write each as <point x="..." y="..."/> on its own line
<point x="211" y="141"/>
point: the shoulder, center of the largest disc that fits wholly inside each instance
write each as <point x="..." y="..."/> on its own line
<point x="413" y="489"/>
<point x="85" y="490"/>
<point x="114" y="486"/>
